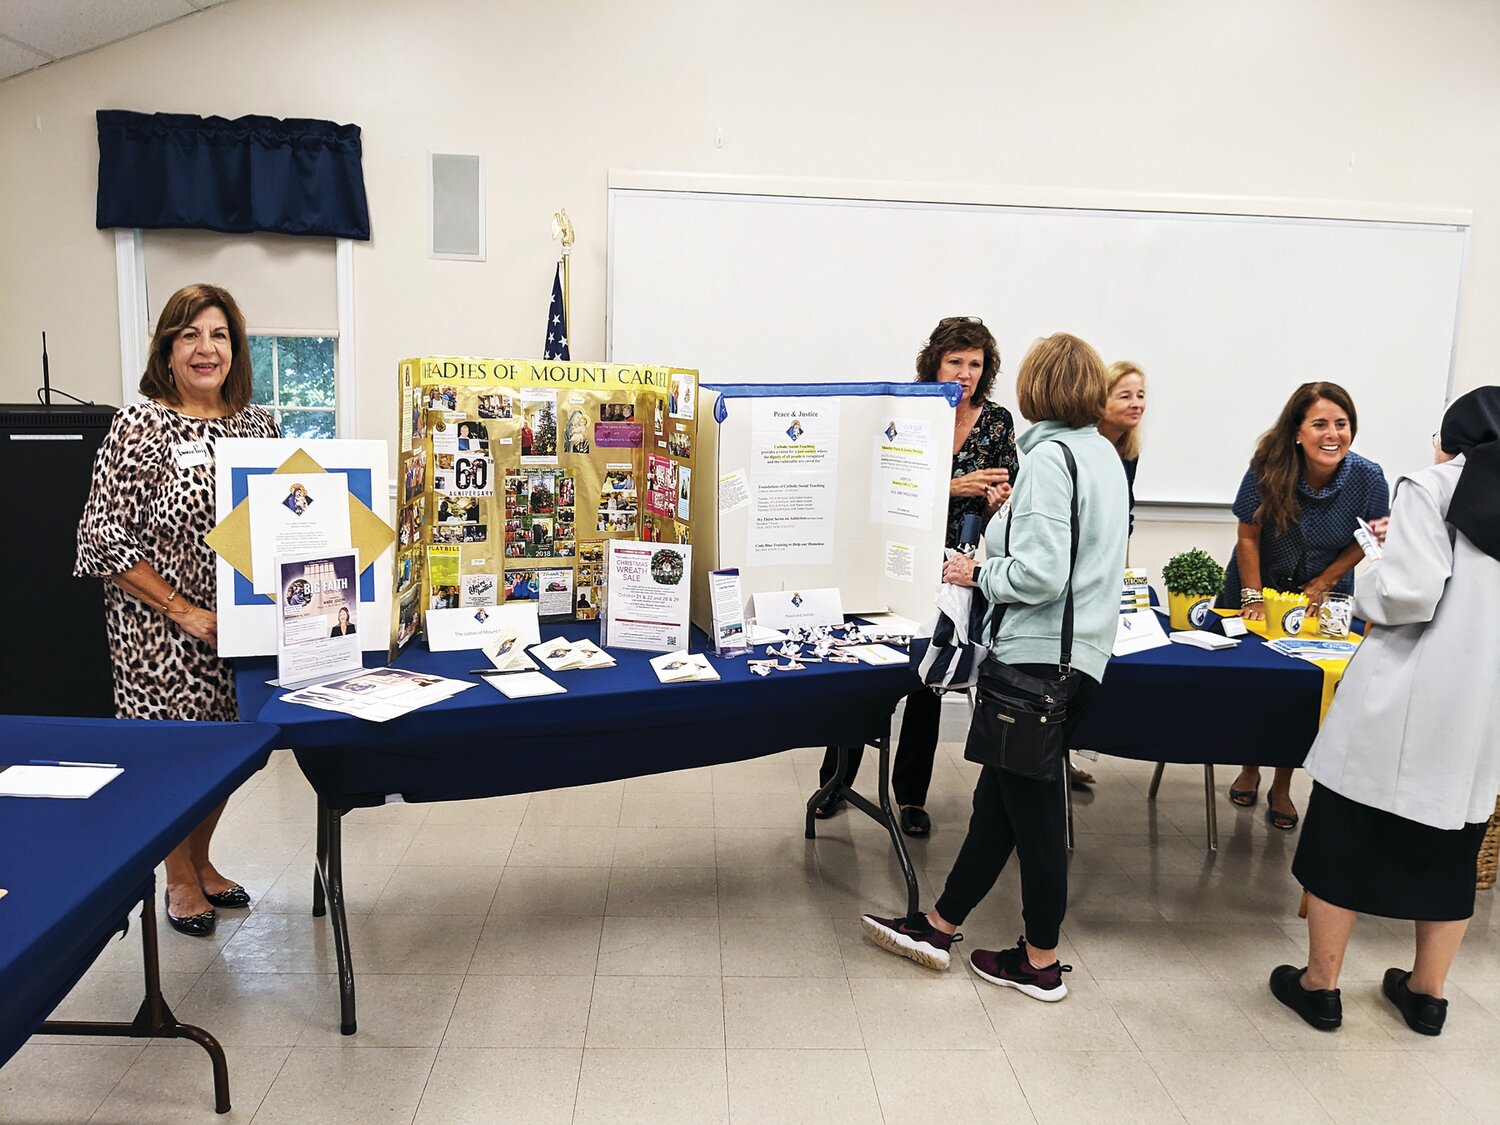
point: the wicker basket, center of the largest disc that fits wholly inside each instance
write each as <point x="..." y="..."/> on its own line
<point x="1489" y="853"/>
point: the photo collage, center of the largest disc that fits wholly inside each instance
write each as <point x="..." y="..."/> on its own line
<point x="539" y="516"/>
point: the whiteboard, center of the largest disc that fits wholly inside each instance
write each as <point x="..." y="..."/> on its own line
<point x="1226" y="314"/>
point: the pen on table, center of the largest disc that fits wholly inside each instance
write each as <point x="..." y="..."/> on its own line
<point x="499" y="671"/>
<point x="46" y="762"/>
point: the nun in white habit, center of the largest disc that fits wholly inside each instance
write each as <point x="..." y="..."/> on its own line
<point x="1407" y="765"/>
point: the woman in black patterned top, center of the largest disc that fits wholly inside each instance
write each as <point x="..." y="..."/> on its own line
<point x="960" y="350"/>
<point x="150" y="504"/>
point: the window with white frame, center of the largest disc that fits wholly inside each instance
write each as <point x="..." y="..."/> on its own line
<point x="296" y="378"/>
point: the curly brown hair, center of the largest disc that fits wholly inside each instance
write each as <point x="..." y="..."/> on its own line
<point x="181" y="309"/>
<point x="1278" y="461"/>
<point x="959" y="334"/>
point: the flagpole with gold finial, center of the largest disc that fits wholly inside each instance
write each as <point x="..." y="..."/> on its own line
<point x="562" y="230"/>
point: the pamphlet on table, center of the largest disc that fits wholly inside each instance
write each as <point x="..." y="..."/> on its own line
<point x="563" y="655"/>
<point x="379" y="694"/>
<point x="524" y="685"/>
<point x="729" y="637"/>
<point x="683" y="667"/>
<point x="317" y="627"/>
<point x="646" y="595"/>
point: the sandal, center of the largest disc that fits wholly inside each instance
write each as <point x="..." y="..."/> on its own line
<point x="824" y="811"/>
<point x="1285" y="821"/>
<point x="915" y="821"/>
<point x="1244" y="798"/>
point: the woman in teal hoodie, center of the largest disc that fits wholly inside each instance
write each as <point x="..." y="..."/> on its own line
<point x="1062" y="387"/>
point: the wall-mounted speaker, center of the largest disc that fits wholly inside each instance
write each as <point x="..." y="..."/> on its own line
<point x="456" y="205"/>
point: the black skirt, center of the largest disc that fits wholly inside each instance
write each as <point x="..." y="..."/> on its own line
<point x="1375" y="862"/>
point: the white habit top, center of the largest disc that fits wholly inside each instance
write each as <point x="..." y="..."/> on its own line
<point x="1415" y="726"/>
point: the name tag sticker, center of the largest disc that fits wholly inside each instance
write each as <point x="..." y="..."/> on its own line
<point x="190" y="453"/>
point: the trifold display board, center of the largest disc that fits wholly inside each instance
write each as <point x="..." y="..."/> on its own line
<point x="825" y="485"/>
<point x="513" y="473"/>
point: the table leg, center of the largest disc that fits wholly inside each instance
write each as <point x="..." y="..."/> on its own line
<point x="1161" y="768"/>
<point x="154" y="1020"/>
<point x="1211" y="810"/>
<point x="320" y="860"/>
<point x="330" y="872"/>
<point x="884" y="812"/>
<point x="826" y="793"/>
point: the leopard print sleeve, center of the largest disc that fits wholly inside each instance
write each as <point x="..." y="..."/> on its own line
<point x="108" y="542"/>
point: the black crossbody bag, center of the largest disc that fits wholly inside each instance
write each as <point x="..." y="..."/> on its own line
<point x="1020" y="720"/>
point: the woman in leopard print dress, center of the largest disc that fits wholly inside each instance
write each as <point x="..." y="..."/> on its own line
<point x="149" y="507"/>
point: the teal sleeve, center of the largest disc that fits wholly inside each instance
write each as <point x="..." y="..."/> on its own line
<point x="1035" y="571"/>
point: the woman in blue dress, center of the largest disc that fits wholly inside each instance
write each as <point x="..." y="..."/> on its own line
<point x="1299" y="504"/>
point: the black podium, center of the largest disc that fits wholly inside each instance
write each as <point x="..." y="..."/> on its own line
<point x="56" y="622"/>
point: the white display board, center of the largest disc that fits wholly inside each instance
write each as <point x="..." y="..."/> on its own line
<point x="809" y="486"/>
<point x="1226" y="313"/>
<point x="247" y="620"/>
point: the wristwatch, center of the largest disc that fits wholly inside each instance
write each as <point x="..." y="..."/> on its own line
<point x="974" y="578"/>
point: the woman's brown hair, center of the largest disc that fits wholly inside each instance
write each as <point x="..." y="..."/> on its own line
<point x="181" y="309"/>
<point x="959" y="334"/>
<point x="1062" y="379"/>
<point x="1129" y="443"/>
<point x="1278" y="462"/>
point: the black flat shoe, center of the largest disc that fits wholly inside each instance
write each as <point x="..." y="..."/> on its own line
<point x="915" y="821"/>
<point x="235" y="898"/>
<point x="1423" y="1014"/>
<point x="1321" y="1008"/>
<point x="196" y="925"/>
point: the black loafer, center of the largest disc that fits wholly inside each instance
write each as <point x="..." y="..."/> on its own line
<point x="235" y="898"/>
<point x="1423" y="1014"/>
<point x="1320" y="1008"/>
<point x="195" y="925"/>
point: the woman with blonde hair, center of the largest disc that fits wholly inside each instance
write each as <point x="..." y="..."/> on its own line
<point x="1123" y="411"/>
<point x="1030" y="578"/>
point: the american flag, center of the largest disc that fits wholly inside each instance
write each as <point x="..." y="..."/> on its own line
<point x="557" y="322"/>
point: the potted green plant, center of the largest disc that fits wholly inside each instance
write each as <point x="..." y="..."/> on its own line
<point x="1193" y="580"/>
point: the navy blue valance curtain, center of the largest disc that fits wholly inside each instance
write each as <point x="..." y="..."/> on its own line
<point x="293" y="176"/>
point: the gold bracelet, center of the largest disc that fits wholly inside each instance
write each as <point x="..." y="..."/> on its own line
<point x="166" y="605"/>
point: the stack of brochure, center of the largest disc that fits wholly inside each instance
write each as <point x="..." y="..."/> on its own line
<point x="878" y="654"/>
<point x="1311" y="649"/>
<point x="563" y="655"/>
<point x="683" y="668"/>
<point x="379" y="694"/>
<point x="1199" y="639"/>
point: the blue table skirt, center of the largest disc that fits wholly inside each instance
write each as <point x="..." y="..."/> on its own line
<point x="75" y="868"/>
<point x="612" y="723"/>
<point x="1240" y="706"/>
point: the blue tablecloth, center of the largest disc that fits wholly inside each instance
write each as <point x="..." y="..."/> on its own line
<point x="1241" y="706"/>
<point x="612" y="723"/>
<point x="74" y="869"/>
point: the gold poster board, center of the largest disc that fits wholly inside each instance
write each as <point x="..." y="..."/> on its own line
<point x="513" y="473"/>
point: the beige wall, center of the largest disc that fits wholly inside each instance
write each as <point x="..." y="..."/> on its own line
<point x="1365" y="100"/>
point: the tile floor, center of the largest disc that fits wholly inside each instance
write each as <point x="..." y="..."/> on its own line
<point x="671" y="949"/>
